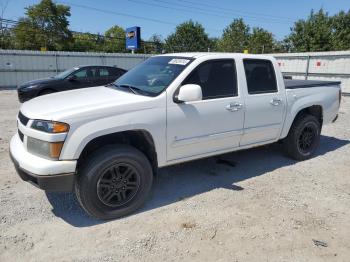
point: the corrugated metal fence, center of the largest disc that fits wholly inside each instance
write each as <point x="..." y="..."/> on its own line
<point x="317" y="66"/>
<point x="18" y="66"/>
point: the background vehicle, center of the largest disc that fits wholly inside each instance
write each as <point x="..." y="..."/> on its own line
<point x="77" y="77"/>
<point x="106" y="143"/>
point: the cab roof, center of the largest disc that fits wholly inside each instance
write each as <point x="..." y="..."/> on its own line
<point x="214" y="55"/>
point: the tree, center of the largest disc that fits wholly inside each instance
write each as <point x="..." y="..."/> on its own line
<point x="188" y="37"/>
<point x="85" y="42"/>
<point x="154" y="45"/>
<point x="45" y="25"/>
<point x="261" y="41"/>
<point x="5" y="33"/>
<point x="114" y="40"/>
<point x="235" y="37"/>
<point x="312" y="34"/>
<point x="281" y="47"/>
<point x="341" y="31"/>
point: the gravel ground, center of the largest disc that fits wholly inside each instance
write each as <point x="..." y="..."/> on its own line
<point x="254" y="205"/>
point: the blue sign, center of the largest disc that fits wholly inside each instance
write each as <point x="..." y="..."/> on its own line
<point x="133" y="38"/>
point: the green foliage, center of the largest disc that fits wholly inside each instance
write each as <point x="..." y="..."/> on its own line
<point x="312" y="34"/>
<point x="261" y="41"/>
<point x="238" y="37"/>
<point x="114" y="40"/>
<point x="154" y="45"/>
<point x="6" y="39"/>
<point x="188" y="37"/>
<point x="84" y="42"/>
<point x="45" y="25"/>
<point x="341" y="31"/>
<point x="235" y="37"/>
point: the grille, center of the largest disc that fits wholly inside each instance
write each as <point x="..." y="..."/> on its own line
<point x="21" y="136"/>
<point x="23" y="119"/>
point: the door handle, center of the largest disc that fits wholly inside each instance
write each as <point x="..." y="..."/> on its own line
<point x="276" y="101"/>
<point x="234" y="107"/>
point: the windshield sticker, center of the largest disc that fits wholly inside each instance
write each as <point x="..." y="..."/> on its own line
<point x="177" y="61"/>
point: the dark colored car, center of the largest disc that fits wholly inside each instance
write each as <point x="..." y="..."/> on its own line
<point x="77" y="77"/>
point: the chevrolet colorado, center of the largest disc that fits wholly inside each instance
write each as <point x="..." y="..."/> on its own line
<point x="106" y="143"/>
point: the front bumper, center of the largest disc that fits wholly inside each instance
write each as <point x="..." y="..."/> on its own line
<point x="46" y="174"/>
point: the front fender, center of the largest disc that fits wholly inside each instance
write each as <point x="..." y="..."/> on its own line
<point x="151" y="120"/>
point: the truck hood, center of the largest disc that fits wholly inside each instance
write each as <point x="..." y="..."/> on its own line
<point x="81" y="103"/>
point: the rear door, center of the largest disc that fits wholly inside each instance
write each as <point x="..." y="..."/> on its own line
<point x="264" y="103"/>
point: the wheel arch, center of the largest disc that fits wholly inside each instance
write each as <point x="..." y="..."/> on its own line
<point x="140" y="139"/>
<point x="314" y="110"/>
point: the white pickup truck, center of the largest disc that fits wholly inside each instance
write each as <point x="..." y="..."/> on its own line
<point x="106" y="143"/>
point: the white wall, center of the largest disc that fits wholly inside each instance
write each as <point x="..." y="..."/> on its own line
<point x="17" y="66"/>
<point x="322" y="66"/>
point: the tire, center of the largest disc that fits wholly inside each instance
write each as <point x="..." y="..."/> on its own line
<point x="303" y="138"/>
<point x="118" y="170"/>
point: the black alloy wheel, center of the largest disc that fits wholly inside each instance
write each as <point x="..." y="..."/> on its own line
<point x="114" y="181"/>
<point x="118" y="184"/>
<point x="306" y="138"/>
<point x="303" y="137"/>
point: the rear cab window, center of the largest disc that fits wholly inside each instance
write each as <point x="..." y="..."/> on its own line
<point x="260" y="75"/>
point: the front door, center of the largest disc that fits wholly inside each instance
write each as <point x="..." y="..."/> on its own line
<point x="213" y="124"/>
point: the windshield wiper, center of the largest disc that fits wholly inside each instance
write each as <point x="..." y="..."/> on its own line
<point x="133" y="89"/>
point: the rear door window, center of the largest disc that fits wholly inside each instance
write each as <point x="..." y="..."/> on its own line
<point x="86" y="73"/>
<point x="104" y="72"/>
<point x="260" y="75"/>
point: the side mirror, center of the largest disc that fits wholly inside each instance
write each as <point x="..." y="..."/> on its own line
<point x="189" y="93"/>
<point x="72" y="78"/>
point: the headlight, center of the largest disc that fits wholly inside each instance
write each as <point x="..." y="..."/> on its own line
<point x="50" y="126"/>
<point x="51" y="150"/>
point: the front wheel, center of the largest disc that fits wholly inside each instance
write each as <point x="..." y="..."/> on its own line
<point x="303" y="138"/>
<point x="114" y="182"/>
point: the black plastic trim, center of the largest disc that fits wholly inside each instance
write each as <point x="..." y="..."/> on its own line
<point x="22" y="118"/>
<point x="58" y="183"/>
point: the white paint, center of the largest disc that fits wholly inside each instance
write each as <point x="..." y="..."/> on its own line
<point x="181" y="131"/>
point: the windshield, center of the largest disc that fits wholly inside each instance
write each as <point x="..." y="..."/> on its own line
<point x="154" y="75"/>
<point x="66" y="73"/>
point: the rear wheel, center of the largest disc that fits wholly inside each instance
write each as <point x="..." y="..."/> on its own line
<point x="114" y="182"/>
<point x="303" y="138"/>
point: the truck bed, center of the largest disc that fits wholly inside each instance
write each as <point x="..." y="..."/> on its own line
<point x="293" y="84"/>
